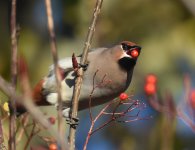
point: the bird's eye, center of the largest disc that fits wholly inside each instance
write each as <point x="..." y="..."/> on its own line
<point x="125" y="47"/>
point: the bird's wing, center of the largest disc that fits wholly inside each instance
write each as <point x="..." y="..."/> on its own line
<point x="65" y="66"/>
<point x="94" y="50"/>
<point x="64" y="63"/>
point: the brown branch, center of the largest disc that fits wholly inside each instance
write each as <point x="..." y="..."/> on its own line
<point x="28" y="104"/>
<point x="31" y="136"/>
<point x="1" y="134"/>
<point x="24" y="123"/>
<point x="90" y="132"/>
<point x="115" y="116"/>
<point x="14" y="49"/>
<point x="79" y="79"/>
<point x="56" y="69"/>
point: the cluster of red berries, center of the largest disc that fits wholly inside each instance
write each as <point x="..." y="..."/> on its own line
<point x="150" y="84"/>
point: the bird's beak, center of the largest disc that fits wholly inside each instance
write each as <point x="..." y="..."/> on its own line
<point x="134" y="52"/>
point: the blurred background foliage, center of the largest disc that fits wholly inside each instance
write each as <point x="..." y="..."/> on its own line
<point x="164" y="28"/>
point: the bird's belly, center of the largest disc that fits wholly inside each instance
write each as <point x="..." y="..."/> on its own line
<point x="98" y="95"/>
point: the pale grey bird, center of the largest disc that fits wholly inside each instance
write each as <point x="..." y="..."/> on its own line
<point x="117" y="63"/>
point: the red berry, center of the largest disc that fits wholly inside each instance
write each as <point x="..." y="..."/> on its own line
<point x="134" y="53"/>
<point x="192" y="99"/>
<point x="151" y="79"/>
<point x="53" y="146"/>
<point x="123" y="96"/>
<point x="150" y="89"/>
<point x="52" y="120"/>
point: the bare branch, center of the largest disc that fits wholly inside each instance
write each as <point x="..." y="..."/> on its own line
<point x="29" y="106"/>
<point x="14" y="50"/>
<point x="56" y="68"/>
<point x="78" y="81"/>
<point x="24" y="123"/>
<point x="31" y="136"/>
<point x="114" y="114"/>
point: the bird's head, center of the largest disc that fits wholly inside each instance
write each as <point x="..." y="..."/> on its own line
<point x="128" y="53"/>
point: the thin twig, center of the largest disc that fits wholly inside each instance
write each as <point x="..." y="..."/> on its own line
<point x="31" y="136"/>
<point x="93" y="123"/>
<point x="114" y="116"/>
<point x="27" y="103"/>
<point x="90" y="97"/>
<point x="14" y="49"/>
<point x="78" y="81"/>
<point x="56" y="69"/>
<point x="21" y="131"/>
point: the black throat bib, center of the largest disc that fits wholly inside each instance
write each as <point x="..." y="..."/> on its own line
<point x="127" y="63"/>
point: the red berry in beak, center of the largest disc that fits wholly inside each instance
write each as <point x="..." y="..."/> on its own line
<point x="134" y="53"/>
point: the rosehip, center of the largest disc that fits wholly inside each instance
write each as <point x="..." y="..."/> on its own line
<point x="150" y="89"/>
<point x="123" y="96"/>
<point x="52" y="120"/>
<point x="53" y="146"/>
<point x="151" y="79"/>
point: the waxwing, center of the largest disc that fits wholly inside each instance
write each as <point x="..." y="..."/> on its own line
<point x="114" y="64"/>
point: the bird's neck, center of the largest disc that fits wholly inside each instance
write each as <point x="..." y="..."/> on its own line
<point x="127" y="63"/>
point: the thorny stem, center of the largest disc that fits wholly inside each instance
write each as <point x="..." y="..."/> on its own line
<point x="79" y="79"/>
<point x="14" y="50"/>
<point x="56" y="68"/>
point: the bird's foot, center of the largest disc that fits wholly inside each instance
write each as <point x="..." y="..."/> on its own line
<point x="84" y="66"/>
<point x="73" y="122"/>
